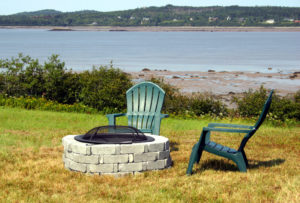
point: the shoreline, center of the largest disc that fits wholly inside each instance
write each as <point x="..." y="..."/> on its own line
<point x="223" y="82"/>
<point x="159" y="28"/>
<point x="224" y="85"/>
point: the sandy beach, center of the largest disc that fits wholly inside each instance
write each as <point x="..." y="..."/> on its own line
<point x="159" y="28"/>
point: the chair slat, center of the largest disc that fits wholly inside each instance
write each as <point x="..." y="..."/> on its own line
<point x="149" y="95"/>
<point x="142" y="99"/>
<point x="135" y="100"/>
<point x="148" y="98"/>
<point x="129" y="117"/>
<point x="145" y="120"/>
<point x="134" y="121"/>
<point x="154" y="100"/>
<point x="160" y="102"/>
<point x="129" y="96"/>
<point x="150" y="122"/>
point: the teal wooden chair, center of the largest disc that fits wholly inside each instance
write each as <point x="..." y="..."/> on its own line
<point x="237" y="156"/>
<point x="144" y="104"/>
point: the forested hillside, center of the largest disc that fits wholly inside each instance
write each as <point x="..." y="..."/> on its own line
<point x="161" y="16"/>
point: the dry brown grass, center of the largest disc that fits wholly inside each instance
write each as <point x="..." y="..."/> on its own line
<point x="34" y="172"/>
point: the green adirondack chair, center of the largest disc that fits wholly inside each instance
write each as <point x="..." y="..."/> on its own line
<point x="144" y="104"/>
<point x="238" y="156"/>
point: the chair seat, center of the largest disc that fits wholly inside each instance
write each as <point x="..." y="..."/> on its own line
<point x="220" y="148"/>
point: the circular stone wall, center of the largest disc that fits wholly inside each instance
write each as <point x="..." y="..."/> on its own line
<point x="116" y="159"/>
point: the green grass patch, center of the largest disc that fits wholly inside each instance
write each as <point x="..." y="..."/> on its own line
<point x="31" y="167"/>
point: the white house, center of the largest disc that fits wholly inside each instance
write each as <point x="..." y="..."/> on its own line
<point x="270" y="21"/>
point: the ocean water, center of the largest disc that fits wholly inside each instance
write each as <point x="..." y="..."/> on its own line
<point x="175" y="51"/>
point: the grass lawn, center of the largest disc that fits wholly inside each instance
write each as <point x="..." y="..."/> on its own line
<point x="31" y="168"/>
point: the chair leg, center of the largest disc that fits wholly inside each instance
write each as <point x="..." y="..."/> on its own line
<point x="240" y="162"/>
<point x="200" y="150"/>
<point x="245" y="158"/>
<point x="195" y="157"/>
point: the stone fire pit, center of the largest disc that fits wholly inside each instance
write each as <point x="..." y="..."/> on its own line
<point x="116" y="159"/>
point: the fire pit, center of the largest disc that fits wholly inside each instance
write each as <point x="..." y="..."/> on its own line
<point x="115" y="150"/>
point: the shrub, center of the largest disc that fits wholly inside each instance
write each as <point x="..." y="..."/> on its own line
<point x="282" y="108"/>
<point x="105" y="89"/>
<point x="43" y="104"/>
<point x="24" y="76"/>
<point x="102" y="88"/>
<point x="190" y="105"/>
<point x="20" y="76"/>
<point x="251" y="103"/>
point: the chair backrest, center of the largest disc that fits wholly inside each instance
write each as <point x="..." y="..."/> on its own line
<point x="144" y="103"/>
<point x="264" y="111"/>
<point x="259" y="121"/>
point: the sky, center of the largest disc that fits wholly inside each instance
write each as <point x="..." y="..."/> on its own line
<point x="15" y="6"/>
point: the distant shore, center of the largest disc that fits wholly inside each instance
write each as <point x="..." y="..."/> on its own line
<point x="159" y="28"/>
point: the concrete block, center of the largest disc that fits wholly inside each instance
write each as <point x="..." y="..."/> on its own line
<point x="146" y="148"/>
<point x="80" y="148"/>
<point x="132" y="149"/>
<point x="156" y="147"/>
<point x="154" y="165"/>
<point x="80" y="158"/>
<point x="66" y="142"/>
<point x="118" y="149"/>
<point x="164" y="154"/>
<point x="113" y="159"/>
<point x="116" y="168"/>
<point x="130" y="158"/>
<point x="77" y="166"/>
<point x="144" y="165"/>
<point x="103" y="149"/>
<point x="131" y="167"/>
<point x="100" y="168"/>
<point x="149" y="156"/>
<point x="66" y="139"/>
<point x="101" y="160"/>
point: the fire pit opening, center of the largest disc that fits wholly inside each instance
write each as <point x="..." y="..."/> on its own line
<point x="114" y="135"/>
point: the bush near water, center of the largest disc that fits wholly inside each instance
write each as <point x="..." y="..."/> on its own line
<point x="26" y="83"/>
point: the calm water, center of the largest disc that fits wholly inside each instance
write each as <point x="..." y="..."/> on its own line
<point x="177" y="51"/>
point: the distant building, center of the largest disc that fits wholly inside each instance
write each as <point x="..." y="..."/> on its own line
<point x="144" y="20"/>
<point x="270" y="21"/>
<point x="132" y="18"/>
<point x="119" y="17"/>
<point x="288" y="19"/>
<point x="241" y="20"/>
<point x="212" y="19"/>
<point x="175" y="20"/>
<point x="191" y="19"/>
<point x="94" y="23"/>
<point x="296" y="21"/>
<point x="228" y="18"/>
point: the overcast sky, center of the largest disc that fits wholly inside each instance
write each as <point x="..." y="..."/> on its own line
<point x="14" y="6"/>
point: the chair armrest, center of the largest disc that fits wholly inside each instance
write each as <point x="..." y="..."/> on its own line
<point x="164" y="116"/>
<point x="228" y="125"/>
<point x="112" y="117"/>
<point x="209" y="129"/>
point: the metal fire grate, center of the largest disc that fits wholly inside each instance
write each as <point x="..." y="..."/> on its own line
<point x="114" y="135"/>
